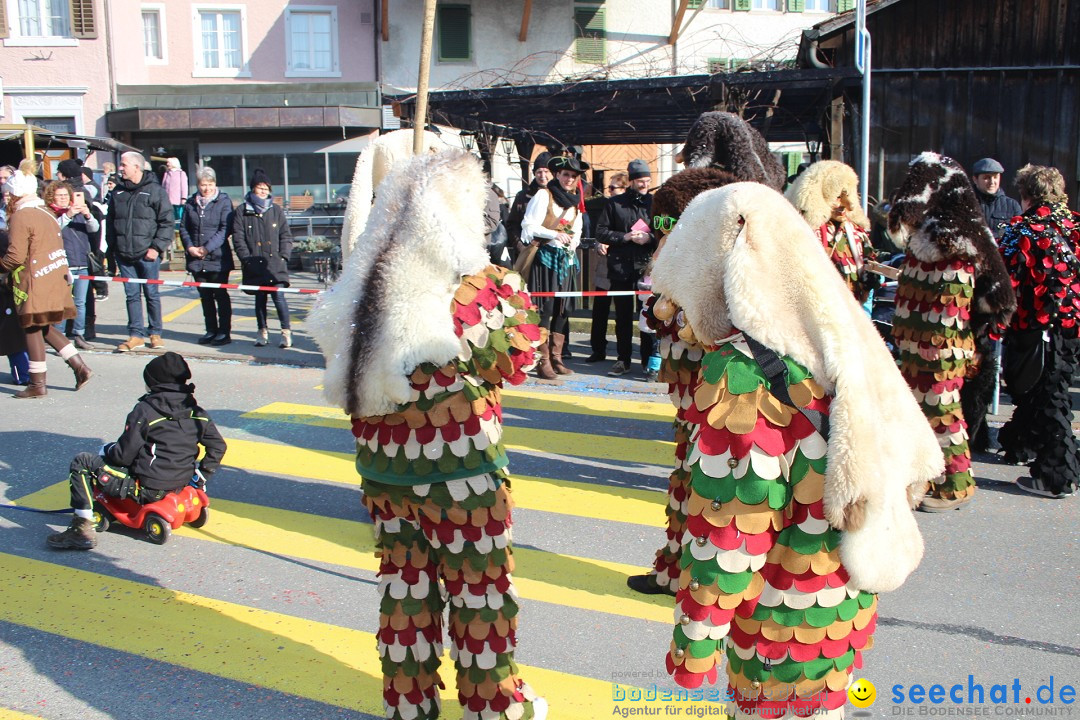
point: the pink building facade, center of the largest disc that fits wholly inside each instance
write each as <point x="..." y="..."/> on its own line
<point x="289" y="86"/>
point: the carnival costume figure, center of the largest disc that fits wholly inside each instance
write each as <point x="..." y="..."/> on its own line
<point x="792" y="526"/>
<point x="419" y="336"/>
<point x="827" y="195"/>
<point x="953" y="287"/>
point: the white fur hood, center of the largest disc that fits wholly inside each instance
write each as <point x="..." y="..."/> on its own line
<point x="391" y="309"/>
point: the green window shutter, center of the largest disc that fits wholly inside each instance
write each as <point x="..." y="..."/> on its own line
<point x="695" y="4"/>
<point x="718" y="65"/>
<point x="590" y="44"/>
<point x="796" y="5"/>
<point x="455" y="37"/>
<point x="83" y="26"/>
<point x="742" y="5"/>
<point x="845" y="5"/>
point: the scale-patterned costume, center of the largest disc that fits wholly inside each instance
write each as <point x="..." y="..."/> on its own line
<point x="932" y="329"/>
<point x="435" y="483"/>
<point x="788" y="536"/>
<point x="952" y="273"/>
<point x="818" y="193"/>
<point x="436" y="331"/>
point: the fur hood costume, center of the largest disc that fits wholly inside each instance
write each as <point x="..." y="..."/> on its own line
<point x="426" y="232"/>
<point x="952" y="292"/>
<point x="818" y="187"/>
<point x="799" y="308"/>
<point x="726" y="141"/>
<point x="372" y="166"/>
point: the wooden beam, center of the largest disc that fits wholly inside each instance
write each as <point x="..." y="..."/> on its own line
<point x="385" y="22"/>
<point x="525" y="13"/>
<point x="420" y="119"/>
<point x="677" y="22"/>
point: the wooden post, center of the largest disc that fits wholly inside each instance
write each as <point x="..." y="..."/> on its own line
<point x="523" y="35"/>
<point x="676" y="24"/>
<point x="420" y="118"/>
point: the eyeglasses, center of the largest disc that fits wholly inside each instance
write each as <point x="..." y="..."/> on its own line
<point x="664" y="223"/>
<point x="615" y="187"/>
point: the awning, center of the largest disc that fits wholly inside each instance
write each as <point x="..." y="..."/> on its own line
<point x="786" y="105"/>
<point x="44" y="138"/>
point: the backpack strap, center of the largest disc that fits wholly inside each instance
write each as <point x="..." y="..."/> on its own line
<point x="777" y="373"/>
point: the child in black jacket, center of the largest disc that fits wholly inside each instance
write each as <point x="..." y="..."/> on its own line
<point x="159" y="448"/>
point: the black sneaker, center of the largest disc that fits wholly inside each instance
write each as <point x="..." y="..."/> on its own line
<point x="80" y="535"/>
<point x="619" y="368"/>
<point x="596" y="357"/>
<point x="646" y="585"/>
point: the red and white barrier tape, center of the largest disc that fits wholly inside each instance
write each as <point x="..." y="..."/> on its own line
<point x="315" y="291"/>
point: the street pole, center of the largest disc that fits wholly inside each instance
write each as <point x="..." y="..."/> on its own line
<point x="862" y="63"/>
<point x="420" y="118"/>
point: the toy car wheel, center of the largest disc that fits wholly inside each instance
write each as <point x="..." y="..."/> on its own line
<point x="157" y="529"/>
<point x="204" y="515"/>
<point x="102" y="518"/>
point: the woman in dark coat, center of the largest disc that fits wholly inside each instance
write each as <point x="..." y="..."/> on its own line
<point x="204" y="229"/>
<point x="263" y="243"/>
<point x="1040" y="251"/>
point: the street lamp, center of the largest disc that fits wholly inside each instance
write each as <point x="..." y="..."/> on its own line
<point x="507" y="146"/>
<point x="468" y="140"/>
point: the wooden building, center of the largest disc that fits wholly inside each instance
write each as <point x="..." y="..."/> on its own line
<point x="967" y="78"/>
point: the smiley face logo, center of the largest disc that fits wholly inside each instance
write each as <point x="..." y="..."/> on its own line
<point x="862" y="693"/>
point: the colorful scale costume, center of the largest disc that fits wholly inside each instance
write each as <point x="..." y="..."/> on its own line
<point x="933" y="332"/>
<point x="1040" y="253"/>
<point x="435" y="483"/>
<point x="760" y="563"/>
<point x="848" y="246"/>
<point x="680" y="364"/>
<point x="953" y="288"/>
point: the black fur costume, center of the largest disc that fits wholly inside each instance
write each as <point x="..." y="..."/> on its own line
<point x="726" y="141"/>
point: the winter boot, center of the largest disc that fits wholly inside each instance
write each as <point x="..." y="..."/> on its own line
<point x="286" y="338"/>
<point x="35" y="388"/>
<point x="543" y="368"/>
<point x="82" y="371"/>
<point x="80" y="535"/>
<point x="558" y="341"/>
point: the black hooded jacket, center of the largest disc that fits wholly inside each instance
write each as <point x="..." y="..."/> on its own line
<point x="161" y="439"/>
<point x="998" y="209"/>
<point x="140" y="217"/>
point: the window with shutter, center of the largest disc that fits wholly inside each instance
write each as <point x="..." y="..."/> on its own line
<point x="3" y="20"/>
<point x="718" y="65"/>
<point x="796" y="5"/>
<point x="453" y="24"/>
<point x="590" y="35"/>
<point x="742" y="4"/>
<point x="83" y="26"/>
<point x="695" y="4"/>
<point x="845" y="5"/>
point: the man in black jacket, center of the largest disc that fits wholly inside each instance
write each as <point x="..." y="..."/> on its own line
<point x="998" y="208"/>
<point x="629" y="250"/>
<point x="139" y="231"/>
<point x="159" y="448"/>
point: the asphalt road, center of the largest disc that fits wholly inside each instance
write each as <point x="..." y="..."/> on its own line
<point x="269" y="610"/>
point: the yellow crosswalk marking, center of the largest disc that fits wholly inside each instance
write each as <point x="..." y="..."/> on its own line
<point x="585" y="583"/>
<point x="519" y="399"/>
<point x="314" y="660"/>
<point x="515" y="437"/>
<point x="177" y="313"/>
<point x="630" y="505"/>
<point x="16" y="715"/>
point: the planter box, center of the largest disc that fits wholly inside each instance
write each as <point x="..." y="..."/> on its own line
<point x="307" y="260"/>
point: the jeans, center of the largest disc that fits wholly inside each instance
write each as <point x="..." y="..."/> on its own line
<point x="147" y="270"/>
<point x="280" y="304"/>
<point x="78" y="294"/>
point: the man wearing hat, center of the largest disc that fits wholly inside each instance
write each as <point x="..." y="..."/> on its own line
<point x="159" y="448"/>
<point x="623" y="227"/>
<point x="541" y="177"/>
<point x="997" y="207"/>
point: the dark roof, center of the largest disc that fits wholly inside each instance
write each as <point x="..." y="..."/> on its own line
<point x="842" y="20"/>
<point x="787" y="105"/>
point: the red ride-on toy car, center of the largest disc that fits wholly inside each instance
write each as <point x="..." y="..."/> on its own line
<point x="190" y="504"/>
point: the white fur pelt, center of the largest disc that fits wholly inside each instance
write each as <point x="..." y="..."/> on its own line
<point x="817" y="188"/>
<point x="768" y="278"/>
<point x="372" y="166"/>
<point x="390" y="310"/>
